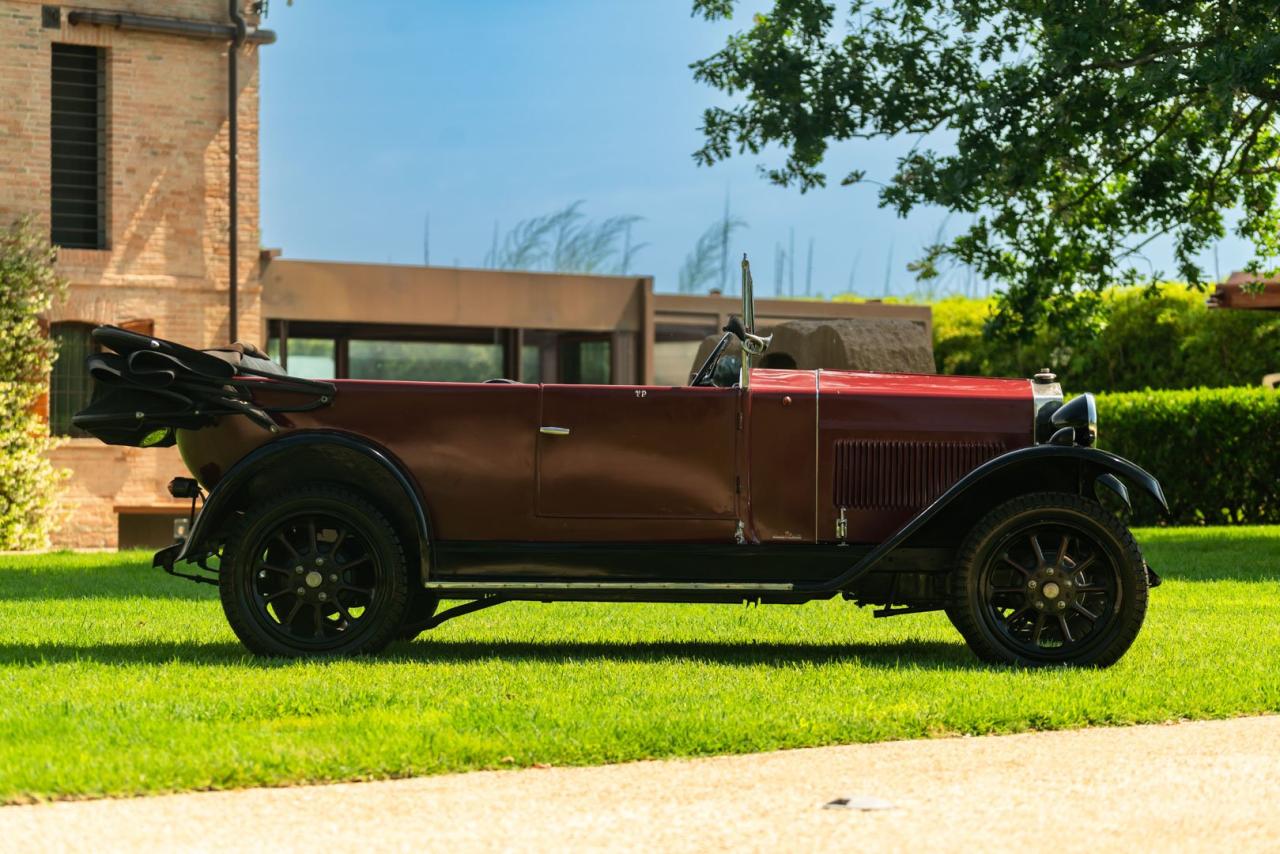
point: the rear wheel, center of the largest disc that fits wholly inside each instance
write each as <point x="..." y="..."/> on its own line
<point x="315" y="571"/>
<point x="1050" y="578"/>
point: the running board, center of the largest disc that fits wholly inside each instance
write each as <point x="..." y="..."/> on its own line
<point x="621" y="586"/>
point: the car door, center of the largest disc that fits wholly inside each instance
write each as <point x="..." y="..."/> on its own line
<point x="638" y="452"/>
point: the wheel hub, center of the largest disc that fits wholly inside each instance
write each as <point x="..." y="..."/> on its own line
<point x="317" y="586"/>
<point x="1051" y="589"/>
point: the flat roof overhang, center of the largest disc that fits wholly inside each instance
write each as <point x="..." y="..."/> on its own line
<point x="340" y="292"/>
<point x="715" y="310"/>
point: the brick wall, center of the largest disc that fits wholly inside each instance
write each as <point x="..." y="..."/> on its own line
<point x="167" y="211"/>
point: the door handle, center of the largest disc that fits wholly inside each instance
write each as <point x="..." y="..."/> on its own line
<point x="554" y="431"/>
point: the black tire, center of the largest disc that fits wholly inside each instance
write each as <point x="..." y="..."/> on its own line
<point x="315" y="571"/>
<point x="1049" y="578"/>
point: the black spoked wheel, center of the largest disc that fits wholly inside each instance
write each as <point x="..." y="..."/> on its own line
<point x="1050" y="579"/>
<point x="313" y="580"/>
<point x="315" y="571"/>
<point x="1045" y="601"/>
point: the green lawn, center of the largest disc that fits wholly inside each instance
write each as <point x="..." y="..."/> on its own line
<point x="116" y="679"/>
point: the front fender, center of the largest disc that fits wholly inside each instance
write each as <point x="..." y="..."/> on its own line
<point x="229" y="494"/>
<point x="1017" y="472"/>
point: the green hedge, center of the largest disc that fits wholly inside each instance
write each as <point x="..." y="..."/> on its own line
<point x="1216" y="452"/>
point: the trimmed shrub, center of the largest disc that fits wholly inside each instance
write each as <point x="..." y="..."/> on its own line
<point x="1216" y="452"/>
<point x="28" y="287"/>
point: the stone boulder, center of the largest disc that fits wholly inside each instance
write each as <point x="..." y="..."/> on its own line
<point x="849" y="344"/>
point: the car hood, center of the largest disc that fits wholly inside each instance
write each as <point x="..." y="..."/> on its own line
<point x="876" y="384"/>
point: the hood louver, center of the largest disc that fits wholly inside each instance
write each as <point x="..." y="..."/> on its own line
<point x="873" y="474"/>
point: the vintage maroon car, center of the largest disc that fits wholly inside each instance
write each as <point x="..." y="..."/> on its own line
<point x="340" y="514"/>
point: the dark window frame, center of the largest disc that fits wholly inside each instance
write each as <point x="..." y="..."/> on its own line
<point x="70" y="386"/>
<point x="78" y="146"/>
<point x="510" y="341"/>
<point x="569" y="356"/>
<point x="342" y="334"/>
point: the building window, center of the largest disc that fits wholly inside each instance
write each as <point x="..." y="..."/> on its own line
<point x="371" y="351"/>
<point x="310" y="358"/>
<point x="439" y="361"/>
<point x="586" y="360"/>
<point x="70" y="387"/>
<point x="531" y="370"/>
<point x="675" y="351"/>
<point x="78" y="190"/>
<point x="375" y="352"/>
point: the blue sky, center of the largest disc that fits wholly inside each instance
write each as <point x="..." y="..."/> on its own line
<point x="377" y="114"/>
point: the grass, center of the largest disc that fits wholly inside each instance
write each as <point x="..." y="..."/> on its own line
<point x="117" y="680"/>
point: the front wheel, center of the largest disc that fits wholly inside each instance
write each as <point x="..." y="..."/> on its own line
<point x="317" y="570"/>
<point x="1050" y="578"/>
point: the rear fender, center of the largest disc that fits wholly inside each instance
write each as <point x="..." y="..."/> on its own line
<point x="309" y="455"/>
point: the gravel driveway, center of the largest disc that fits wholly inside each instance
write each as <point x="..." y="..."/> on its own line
<point x="1194" y="786"/>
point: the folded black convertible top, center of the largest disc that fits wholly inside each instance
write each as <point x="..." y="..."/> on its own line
<point x="145" y="388"/>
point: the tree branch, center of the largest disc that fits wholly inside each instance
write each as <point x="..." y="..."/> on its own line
<point x="1242" y="149"/>
<point x="1125" y="161"/>
<point x="1144" y="59"/>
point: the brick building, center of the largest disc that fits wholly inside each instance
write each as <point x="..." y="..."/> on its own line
<point x="115" y="137"/>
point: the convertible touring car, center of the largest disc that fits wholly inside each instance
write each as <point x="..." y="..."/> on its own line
<point x="337" y="516"/>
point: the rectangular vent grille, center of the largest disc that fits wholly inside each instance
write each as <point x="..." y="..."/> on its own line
<point x="874" y="474"/>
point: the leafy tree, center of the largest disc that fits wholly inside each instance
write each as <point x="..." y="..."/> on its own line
<point x="28" y="286"/>
<point x="1072" y="134"/>
<point x="565" y="241"/>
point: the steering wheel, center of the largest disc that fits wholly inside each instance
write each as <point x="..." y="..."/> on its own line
<point x="703" y="376"/>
